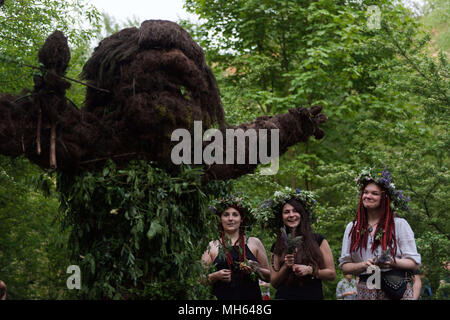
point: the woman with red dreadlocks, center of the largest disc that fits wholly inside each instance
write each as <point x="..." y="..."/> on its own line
<point x="239" y="262"/>
<point x="300" y="259"/>
<point x="378" y="240"/>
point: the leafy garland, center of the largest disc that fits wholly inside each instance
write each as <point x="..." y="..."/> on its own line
<point x="384" y="179"/>
<point x="238" y="199"/>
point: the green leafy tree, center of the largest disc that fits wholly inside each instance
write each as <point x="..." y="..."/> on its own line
<point x="24" y="26"/>
<point x="386" y="97"/>
<point x="33" y="252"/>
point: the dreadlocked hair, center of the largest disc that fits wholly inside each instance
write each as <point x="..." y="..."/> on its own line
<point x="242" y="254"/>
<point x="359" y="233"/>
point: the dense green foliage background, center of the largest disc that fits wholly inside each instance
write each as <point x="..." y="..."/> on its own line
<point x="385" y="92"/>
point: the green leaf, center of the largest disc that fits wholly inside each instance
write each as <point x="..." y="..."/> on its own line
<point x="155" y="228"/>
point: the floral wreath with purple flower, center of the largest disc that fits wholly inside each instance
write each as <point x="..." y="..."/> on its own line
<point x="383" y="178"/>
<point x="270" y="208"/>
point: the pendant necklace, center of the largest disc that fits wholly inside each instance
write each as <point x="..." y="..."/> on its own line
<point x="371" y="227"/>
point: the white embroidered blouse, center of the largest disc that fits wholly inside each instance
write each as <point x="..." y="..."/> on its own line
<point x="406" y="245"/>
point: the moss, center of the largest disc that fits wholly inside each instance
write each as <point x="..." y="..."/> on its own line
<point x="189" y="120"/>
<point x="161" y="110"/>
<point x="206" y="121"/>
<point x="185" y="93"/>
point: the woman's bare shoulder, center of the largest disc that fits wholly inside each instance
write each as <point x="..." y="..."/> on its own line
<point x="255" y="243"/>
<point x="213" y="244"/>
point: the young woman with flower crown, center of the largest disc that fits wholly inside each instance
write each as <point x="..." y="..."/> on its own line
<point x="239" y="261"/>
<point x="300" y="259"/>
<point x="377" y="238"/>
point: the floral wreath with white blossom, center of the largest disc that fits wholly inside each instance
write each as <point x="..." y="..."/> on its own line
<point x="270" y="208"/>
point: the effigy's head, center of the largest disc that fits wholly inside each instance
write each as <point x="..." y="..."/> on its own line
<point x="157" y="79"/>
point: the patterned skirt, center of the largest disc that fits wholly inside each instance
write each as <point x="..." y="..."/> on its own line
<point x="377" y="294"/>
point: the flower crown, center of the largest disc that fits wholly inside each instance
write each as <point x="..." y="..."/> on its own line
<point x="220" y="205"/>
<point x="383" y="178"/>
<point x="270" y="208"/>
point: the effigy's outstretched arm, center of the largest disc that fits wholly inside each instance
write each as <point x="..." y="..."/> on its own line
<point x="28" y="128"/>
<point x="12" y="125"/>
<point x="42" y="124"/>
<point x="293" y="127"/>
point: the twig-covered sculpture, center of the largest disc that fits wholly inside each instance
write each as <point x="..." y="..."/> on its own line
<point x="135" y="225"/>
<point x="143" y="83"/>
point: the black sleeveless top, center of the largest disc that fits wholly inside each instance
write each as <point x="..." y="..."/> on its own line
<point x="309" y="289"/>
<point x="241" y="287"/>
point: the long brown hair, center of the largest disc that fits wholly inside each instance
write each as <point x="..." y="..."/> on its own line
<point x="308" y="252"/>
<point x="359" y="233"/>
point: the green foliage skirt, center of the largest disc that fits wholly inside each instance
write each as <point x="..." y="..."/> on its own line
<point x="138" y="232"/>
